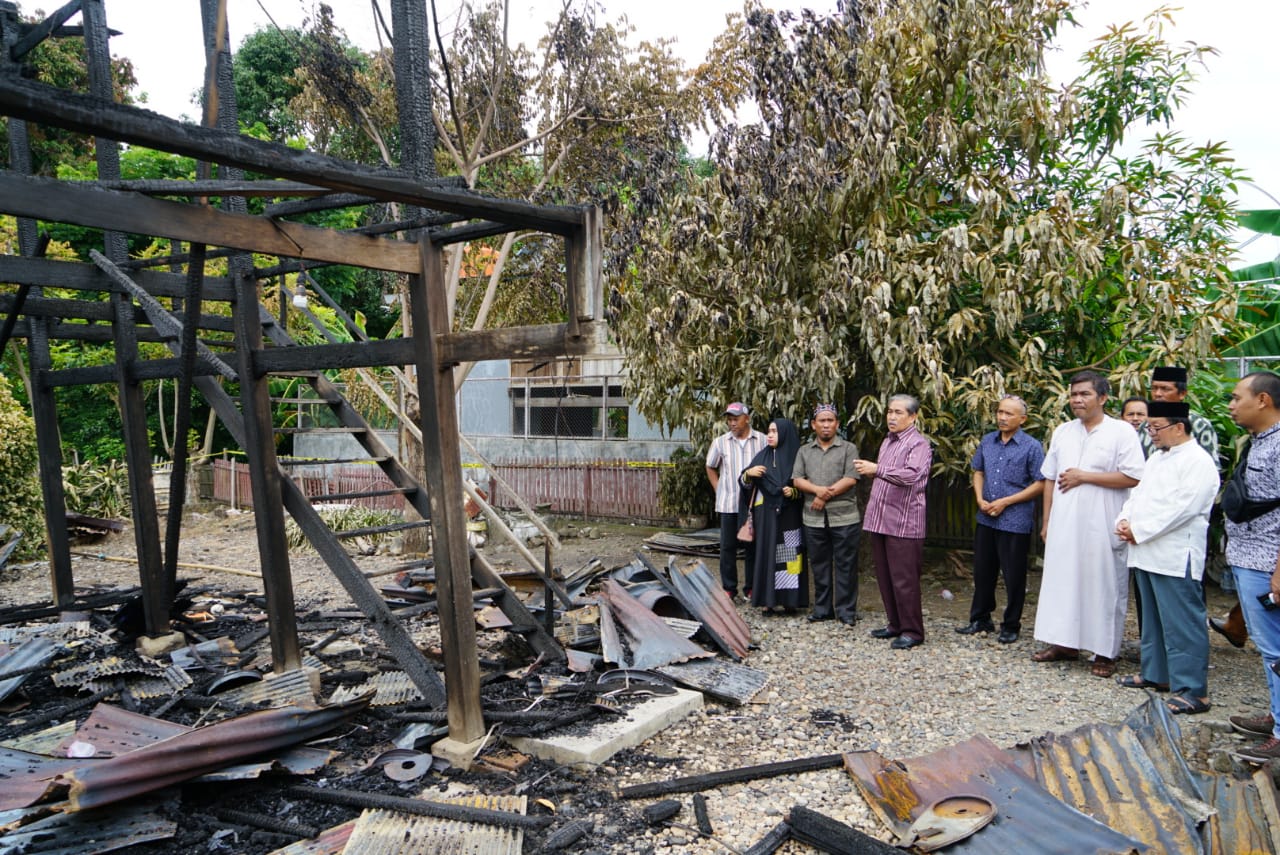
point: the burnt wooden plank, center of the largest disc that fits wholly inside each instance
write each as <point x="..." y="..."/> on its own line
<point x="540" y="341"/>
<point x="471" y="231"/>
<point x="93" y="332"/>
<point x="39" y="102"/>
<point x="41" y="31"/>
<point x="443" y="462"/>
<point x="48" y="199"/>
<point x="209" y="187"/>
<point x="396" y="351"/>
<point x="85" y="277"/>
<point x="149" y="369"/>
<point x="88" y="310"/>
<point x="694" y="783"/>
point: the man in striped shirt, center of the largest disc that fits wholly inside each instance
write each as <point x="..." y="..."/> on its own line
<point x="894" y="520"/>
<point x="728" y="456"/>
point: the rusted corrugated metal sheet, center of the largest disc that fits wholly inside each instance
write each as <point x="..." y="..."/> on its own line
<point x="1240" y="826"/>
<point x="700" y="593"/>
<point x="384" y="832"/>
<point x="389" y="687"/>
<point x="1029" y="819"/>
<point x="90" y="832"/>
<point x="30" y="654"/>
<point x="631" y="636"/>
<point x="27" y="776"/>
<point x="205" y="749"/>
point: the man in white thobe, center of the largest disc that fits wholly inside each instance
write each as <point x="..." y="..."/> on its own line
<point x="1092" y="462"/>
<point x="1165" y="522"/>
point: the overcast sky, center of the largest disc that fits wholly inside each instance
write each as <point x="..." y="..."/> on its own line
<point x="1234" y="102"/>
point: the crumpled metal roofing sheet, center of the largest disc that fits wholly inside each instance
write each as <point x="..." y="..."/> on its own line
<point x="389" y="688"/>
<point x="1241" y="826"/>
<point x="384" y="832"/>
<point x="1028" y="818"/>
<point x="30" y="654"/>
<point x="292" y="687"/>
<point x="699" y="591"/>
<point x="26" y="776"/>
<point x="205" y="749"/>
<point x="1107" y="772"/>
<point x="90" y="832"/>
<point x="80" y="630"/>
<point x="631" y="636"/>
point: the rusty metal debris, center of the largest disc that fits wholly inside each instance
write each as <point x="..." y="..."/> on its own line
<point x="726" y="681"/>
<point x="16" y="665"/>
<point x="634" y="637"/>
<point x="90" y="832"/>
<point x="189" y="755"/>
<point x="700" y="593"/>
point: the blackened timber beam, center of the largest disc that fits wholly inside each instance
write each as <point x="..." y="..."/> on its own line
<point x="100" y="333"/>
<point x="333" y="201"/>
<point x="41" y="31"/>
<point x="141" y="370"/>
<point x="89" y="310"/>
<point x="694" y="783"/>
<point x="437" y="398"/>
<point x="48" y="199"/>
<point x="471" y="231"/>
<point x="543" y="341"/>
<point x="210" y="187"/>
<point x="78" y="276"/>
<point x="160" y="318"/>
<point x="38" y="102"/>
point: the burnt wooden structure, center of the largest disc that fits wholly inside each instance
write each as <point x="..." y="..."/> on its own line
<point x="155" y="305"/>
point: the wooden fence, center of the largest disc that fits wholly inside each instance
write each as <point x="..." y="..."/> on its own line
<point x="596" y="489"/>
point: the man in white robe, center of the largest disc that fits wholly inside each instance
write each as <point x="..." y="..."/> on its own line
<point x="1165" y="522"/>
<point x="1092" y="462"/>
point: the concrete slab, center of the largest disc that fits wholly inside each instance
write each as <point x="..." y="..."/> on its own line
<point x="607" y="738"/>
<point x="459" y="754"/>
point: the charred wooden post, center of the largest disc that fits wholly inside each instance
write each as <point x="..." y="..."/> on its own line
<point x="693" y="783"/>
<point x="421" y="807"/>
<point x="436" y="392"/>
<point x="40" y="362"/>
<point x="829" y="835"/>
<point x="772" y="841"/>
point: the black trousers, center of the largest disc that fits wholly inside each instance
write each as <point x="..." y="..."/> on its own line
<point x="729" y="543"/>
<point x="833" y="560"/>
<point x="996" y="552"/>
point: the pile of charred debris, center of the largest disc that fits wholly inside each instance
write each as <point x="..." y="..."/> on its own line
<point x="204" y="749"/>
<point x="103" y="748"/>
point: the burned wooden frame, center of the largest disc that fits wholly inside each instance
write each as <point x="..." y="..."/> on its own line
<point x="135" y="313"/>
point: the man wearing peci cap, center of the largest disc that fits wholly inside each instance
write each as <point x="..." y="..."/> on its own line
<point x="832" y="525"/>
<point x="728" y="456"/>
<point x="1169" y="383"/>
<point x="1165" y="521"/>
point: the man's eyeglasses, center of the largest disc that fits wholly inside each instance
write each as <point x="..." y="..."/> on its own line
<point x="1155" y="429"/>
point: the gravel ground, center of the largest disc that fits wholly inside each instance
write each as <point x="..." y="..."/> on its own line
<point x="832" y="688"/>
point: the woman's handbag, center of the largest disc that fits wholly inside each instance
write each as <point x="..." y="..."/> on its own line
<point x="747" y="531"/>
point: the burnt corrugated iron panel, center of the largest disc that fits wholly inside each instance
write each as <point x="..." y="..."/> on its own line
<point x="384" y="832"/>
<point x="205" y="749"/>
<point x="66" y="633"/>
<point x="30" y="654"/>
<point x="299" y="760"/>
<point x="43" y="741"/>
<point x="1028" y="819"/>
<point x="722" y="680"/>
<point x="700" y="593"/>
<point x="1241" y="825"/>
<point x="143" y="678"/>
<point x="113" y="731"/>
<point x="25" y="777"/>
<point x="634" y="637"/>
<point x="332" y="841"/>
<point x="292" y="687"/>
<point x="89" y="832"/>
<point x="1104" y="771"/>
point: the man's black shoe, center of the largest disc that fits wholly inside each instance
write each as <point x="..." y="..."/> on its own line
<point x="906" y="642"/>
<point x="848" y="621"/>
<point x="1007" y="636"/>
<point x="885" y="632"/>
<point x="976" y="627"/>
<point x="814" y="617"/>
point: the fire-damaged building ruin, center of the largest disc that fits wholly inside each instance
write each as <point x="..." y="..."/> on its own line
<point x="147" y="303"/>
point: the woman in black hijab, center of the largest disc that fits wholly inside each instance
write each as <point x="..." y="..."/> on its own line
<point x="781" y="583"/>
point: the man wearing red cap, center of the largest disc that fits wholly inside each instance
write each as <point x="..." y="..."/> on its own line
<point x="728" y="456"/>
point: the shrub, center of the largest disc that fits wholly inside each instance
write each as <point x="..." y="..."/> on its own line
<point x="683" y="487"/>
<point x="20" y="502"/>
<point x="97" y="489"/>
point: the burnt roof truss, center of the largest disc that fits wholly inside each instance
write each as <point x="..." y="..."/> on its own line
<point x="439" y="211"/>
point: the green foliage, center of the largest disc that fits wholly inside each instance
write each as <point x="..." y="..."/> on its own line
<point x="683" y="487"/>
<point x="922" y="210"/>
<point x="20" y="501"/>
<point x="265" y="83"/>
<point x="97" y="489"/>
<point x="344" y="518"/>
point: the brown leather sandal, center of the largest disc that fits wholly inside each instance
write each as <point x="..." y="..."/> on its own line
<point x="1055" y="653"/>
<point x="1103" y="667"/>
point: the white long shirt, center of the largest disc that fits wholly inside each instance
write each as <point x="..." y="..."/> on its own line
<point x="1168" y="511"/>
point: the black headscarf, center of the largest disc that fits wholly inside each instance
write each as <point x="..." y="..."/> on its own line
<point x="778" y="462"/>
